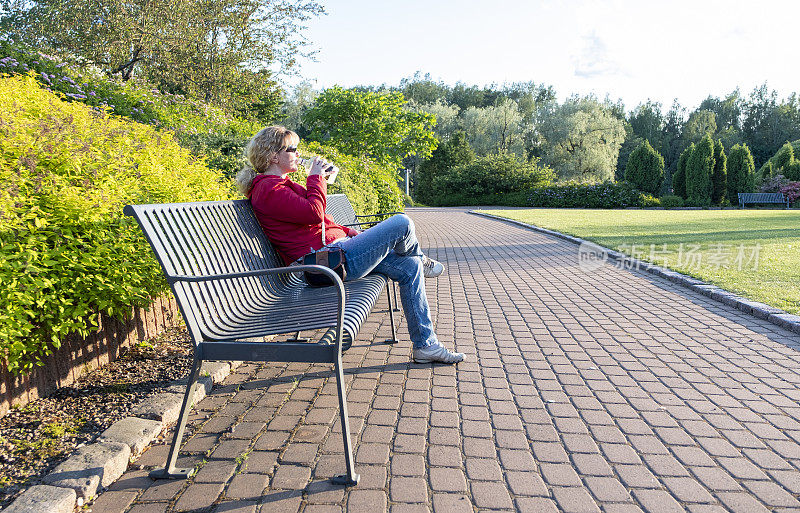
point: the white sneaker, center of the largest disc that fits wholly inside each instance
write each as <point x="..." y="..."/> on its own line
<point x="431" y="268"/>
<point x="436" y="353"/>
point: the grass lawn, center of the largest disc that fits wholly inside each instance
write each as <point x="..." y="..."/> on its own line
<point x="753" y="253"/>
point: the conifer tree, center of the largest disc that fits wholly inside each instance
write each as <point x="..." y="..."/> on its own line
<point x="679" y="178"/>
<point x="698" y="172"/>
<point x="719" y="175"/>
<point x="741" y="172"/>
<point x="645" y="168"/>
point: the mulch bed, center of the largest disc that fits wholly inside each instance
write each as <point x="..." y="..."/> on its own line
<point x="40" y="435"/>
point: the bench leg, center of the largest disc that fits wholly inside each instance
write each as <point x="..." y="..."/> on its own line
<point x="170" y="472"/>
<point x="394" y="291"/>
<point x="389" y="289"/>
<point x="350" y="478"/>
<point x="297" y="338"/>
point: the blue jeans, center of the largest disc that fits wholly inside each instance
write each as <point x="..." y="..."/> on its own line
<point x="391" y="248"/>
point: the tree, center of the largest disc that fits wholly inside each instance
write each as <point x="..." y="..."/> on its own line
<point x="447" y="121"/>
<point x="219" y="51"/>
<point x="494" y="129"/>
<point x="581" y="140"/>
<point x="455" y="151"/>
<point x="679" y="178"/>
<point x="741" y="172"/>
<point x="698" y="172"/>
<point x="645" y="169"/>
<point x="376" y="125"/>
<point x="719" y="182"/>
<point x="769" y="123"/>
<point x="700" y="123"/>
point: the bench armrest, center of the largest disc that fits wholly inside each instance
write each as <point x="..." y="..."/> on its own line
<point x="379" y="215"/>
<point x="257" y="272"/>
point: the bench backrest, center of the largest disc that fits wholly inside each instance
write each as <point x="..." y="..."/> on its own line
<point x="209" y="238"/>
<point x="339" y="208"/>
<point x="762" y="197"/>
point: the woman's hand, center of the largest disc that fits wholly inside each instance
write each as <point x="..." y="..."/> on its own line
<point x="318" y="166"/>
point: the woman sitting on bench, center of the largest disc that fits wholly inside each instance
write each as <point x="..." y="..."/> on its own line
<point x="291" y="216"/>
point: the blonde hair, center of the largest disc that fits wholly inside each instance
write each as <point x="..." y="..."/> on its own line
<point x="260" y="150"/>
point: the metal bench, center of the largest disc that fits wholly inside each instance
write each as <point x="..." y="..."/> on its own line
<point x="762" y="197"/>
<point x="232" y="287"/>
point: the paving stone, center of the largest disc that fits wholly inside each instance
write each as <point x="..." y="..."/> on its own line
<point x="199" y="495"/>
<point x="44" y="499"/>
<point x="408" y="489"/>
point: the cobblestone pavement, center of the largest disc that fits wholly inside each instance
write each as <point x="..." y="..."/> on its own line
<point x="608" y="391"/>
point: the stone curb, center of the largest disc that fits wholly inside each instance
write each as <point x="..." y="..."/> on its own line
<point x="759" y="310"/>
<point x="95" y="466"/>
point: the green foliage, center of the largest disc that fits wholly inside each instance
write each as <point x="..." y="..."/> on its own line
<point x="207" y="131"/>
<point x="741" y="177"/>
<point x="671" y="201"/>
<point x="455" y="151"/>
<point x="698" y="172"/>
<point x="220" y="52"/>
<point x="719" y="180"/>
<point x="371" y="187"/>
<point x="783" y="162"/>
<point x="581" y="195"/>
<point x="679" y="178"/>
<point x="486" y="180"/>
<point x="649" y="201"/>
<point x="370" y="124"/>
<point x="645" y="168"/>
<point x="581" y="140"/>
<point x="68" y="252"/>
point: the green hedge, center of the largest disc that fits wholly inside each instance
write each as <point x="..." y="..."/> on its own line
<point x="207" y="131"/>
<point x="68" y="252"/>
<point x="488" y="181"/>
<point x="581" y="195"/>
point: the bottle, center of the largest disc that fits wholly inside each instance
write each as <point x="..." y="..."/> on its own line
<point x="329" y="173"/>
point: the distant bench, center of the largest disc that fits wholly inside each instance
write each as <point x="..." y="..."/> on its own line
<point x="762" y="197"/>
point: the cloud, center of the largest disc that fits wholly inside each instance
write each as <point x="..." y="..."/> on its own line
<point x="594" y="60"/>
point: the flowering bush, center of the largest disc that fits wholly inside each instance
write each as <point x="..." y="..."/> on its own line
<point x="67" y="251"/>
<point x="773" y="184"/>
<point x="791" y="191"/>
<point x="581" y="195"/>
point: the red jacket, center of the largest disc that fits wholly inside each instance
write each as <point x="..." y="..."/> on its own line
<point x="291" y="215"/>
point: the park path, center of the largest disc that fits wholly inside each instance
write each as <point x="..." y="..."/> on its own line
<point x="611" y="391"/>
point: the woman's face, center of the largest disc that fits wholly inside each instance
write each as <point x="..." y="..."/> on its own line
<point x="287" y="159"/>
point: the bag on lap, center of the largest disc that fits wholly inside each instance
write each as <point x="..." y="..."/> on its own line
<point x="332" y="258"/>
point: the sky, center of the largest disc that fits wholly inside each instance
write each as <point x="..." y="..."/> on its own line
<point x="633" y="50"/>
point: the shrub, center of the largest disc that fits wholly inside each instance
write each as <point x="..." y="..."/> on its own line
<point x="740" y="171"/>
<point x="773" y="184"/>
<point x="671" y="201"/>
<point x="581" y="195"/>
<point x="648" y="200"/>
<point x="68" y="251"/>
<point x="791" y="191"/>
<point x="486" y="180"/>
<point x="645" y="169"/>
